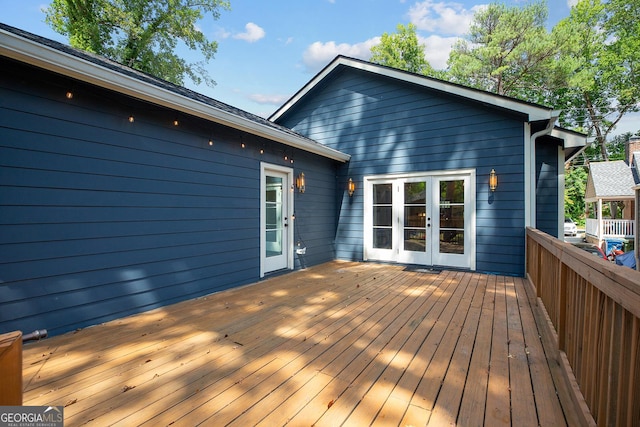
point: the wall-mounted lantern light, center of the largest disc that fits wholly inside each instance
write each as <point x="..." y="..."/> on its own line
<point x="351" y="187"/>
<point x="493" y="180"/>
<point x="300" y="182"/>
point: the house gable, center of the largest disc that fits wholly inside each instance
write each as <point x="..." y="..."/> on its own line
<point x="393" y="127"/>
<point x="609" y="181"/>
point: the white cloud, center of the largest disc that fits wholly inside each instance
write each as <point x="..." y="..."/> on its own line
<point x="437" y="50"/>
<point x="222" y="34"/>
<point x="286" y="41"/>
<point x="319" y="54"/>
<point x="447" y="18"/>
<point x="572" y="3"/>
<point x="268" y="99"/>
<point x="252" y="34"/>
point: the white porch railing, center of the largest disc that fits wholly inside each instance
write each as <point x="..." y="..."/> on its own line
<point x="611" y="228"/>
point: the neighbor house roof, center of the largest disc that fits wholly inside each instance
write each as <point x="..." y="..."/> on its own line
<point x="57" y="57"/>
<point x="610" y="180"/>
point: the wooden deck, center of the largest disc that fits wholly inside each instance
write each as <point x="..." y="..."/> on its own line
<point x="338" y="344"/>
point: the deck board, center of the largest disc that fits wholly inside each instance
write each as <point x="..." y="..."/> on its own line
<point x="337" y="344"/>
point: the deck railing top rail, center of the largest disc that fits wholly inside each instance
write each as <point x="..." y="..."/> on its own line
<point x="622" y="284"/>
<point x="594" y="308"/>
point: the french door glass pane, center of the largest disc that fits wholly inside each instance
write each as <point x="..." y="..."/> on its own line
<point x="273" y="210"/>
<point x="415" y="233"/>
<point x="452" y="217"/>
<point x="451" y="241"/>
<point x="415" y="193"/>
<point x="452" y="191"/>
<point x="382" y="216"/>
<point x="415" y="240"/>
<point x="382" y="194"/>
<point x="414" y="216"/>
<point x="382" y="238"/>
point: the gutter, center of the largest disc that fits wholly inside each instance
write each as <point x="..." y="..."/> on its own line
<point x="530" y="194"/>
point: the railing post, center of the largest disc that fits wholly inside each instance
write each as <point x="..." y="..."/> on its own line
<point x="563" y="276"/>
<point x="11" y="369"/>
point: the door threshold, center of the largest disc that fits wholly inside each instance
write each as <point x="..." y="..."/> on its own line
<point x="423" y="269"/>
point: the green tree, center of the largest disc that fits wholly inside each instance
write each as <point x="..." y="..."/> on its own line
<point x="603" y="83"/>
<point x="574" y="191"/>
<point x="508" y="51"/>
<point x="142" y="34"/>
<point x="402" y="50"/>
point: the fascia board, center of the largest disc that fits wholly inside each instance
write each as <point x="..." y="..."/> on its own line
<point x="533" y="112"/>
<point x="51" y="59"/>
<point x="570" y="139"/>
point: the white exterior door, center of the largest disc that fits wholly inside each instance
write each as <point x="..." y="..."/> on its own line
<point x="425" y="219"/>
<point x="276" y="234"/>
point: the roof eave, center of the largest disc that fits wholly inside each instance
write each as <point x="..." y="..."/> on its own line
<point x="42" y="56"/>
<point x="573" y="143"/>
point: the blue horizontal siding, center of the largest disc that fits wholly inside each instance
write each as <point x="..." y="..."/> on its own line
<point x="547" y="188"/>
<point x="390" y="127"/>
<point x="101" y="218"/>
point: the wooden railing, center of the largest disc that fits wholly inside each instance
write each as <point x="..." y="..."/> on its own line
<point x="594" y="307"/>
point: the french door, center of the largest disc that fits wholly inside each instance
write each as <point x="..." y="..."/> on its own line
<point x="420" y="219"/>
<point x="276" y="234"/>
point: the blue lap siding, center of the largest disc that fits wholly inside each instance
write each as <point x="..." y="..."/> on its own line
<point x="101" y="217"/>
<point x="547" y="187"/>
<point x="390" y="126"/>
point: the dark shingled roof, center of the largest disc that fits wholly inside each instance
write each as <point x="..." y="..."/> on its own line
<point x="147" y="78"/>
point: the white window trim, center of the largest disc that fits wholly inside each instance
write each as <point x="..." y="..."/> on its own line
<point x="470" y="222"/>
<point x="290" y="209"/>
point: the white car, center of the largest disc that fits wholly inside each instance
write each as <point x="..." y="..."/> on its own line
<point x="570" y="227"/>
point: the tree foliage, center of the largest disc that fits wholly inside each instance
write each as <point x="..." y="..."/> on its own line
<point x="142" y="34"/>
<point x="508" y="51"/>
<point x="574" y="191"/>
<point x="402" y="50"/>
<point x="603" y="83"/>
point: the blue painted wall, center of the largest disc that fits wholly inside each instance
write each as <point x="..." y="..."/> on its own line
<point x="547" y="186"/>
<point x="389" y="126"/>
<point x="101" y="218"/>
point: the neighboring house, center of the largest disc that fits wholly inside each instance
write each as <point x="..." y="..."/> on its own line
<point x="120" y="192"/>
<point x="610" y="197"/>
<point x="422" y="151"/>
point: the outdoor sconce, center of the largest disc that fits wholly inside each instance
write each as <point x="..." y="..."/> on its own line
<point x="300" y="183"/>
<point x="351" y="187"/>
<point x="493" y="180"/>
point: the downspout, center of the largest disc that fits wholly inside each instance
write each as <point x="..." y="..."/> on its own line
<point x="532" y="166"/>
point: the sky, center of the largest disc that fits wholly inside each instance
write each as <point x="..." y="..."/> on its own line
<point x="269" y="49"/>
